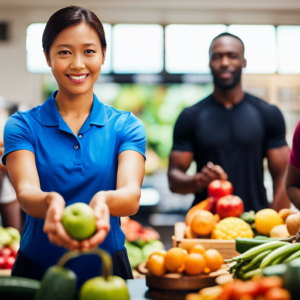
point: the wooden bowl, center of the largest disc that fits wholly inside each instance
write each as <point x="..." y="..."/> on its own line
<point x="182" y="282"/>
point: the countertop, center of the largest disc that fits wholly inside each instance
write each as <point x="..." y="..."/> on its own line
<point x="139" y="291"/>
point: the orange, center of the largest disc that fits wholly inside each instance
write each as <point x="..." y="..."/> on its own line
<point x="193" y="296"/>
<point x="203" y="222"/>
<point x="189" y="234"/>
<point x="214" y="259"/>
<point x="198" y="249"/>
<point x="200" y="206"/>
<point x="194" y="264"/>
<point x="217" y="218"/>
<point x="174" y="260"/>
<point x="156" y="264"/>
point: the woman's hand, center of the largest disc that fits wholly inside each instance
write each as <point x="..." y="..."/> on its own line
<point x="102" y="215"/>
<point x="53" y="226"/>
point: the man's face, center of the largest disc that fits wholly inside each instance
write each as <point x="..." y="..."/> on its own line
<point x="226" y="61"/>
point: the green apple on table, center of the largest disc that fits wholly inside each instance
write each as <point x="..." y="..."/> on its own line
<point x="98" y="288"/>
<point x="79" y="221"/>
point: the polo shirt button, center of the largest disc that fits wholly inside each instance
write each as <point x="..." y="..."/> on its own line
<point x="76" y="147"/>
<point x="80" y="136"/>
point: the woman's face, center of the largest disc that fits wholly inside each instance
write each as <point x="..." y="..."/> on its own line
<point x="76" y="59"/>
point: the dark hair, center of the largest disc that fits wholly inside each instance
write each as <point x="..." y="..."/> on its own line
<point x="226" y="34"/>
<point x="69" y="16"/>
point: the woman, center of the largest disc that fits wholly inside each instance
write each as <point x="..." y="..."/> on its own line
<point x="74" y="148"/>
<point x="293" y="171"/>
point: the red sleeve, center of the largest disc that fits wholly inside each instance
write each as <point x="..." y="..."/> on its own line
<point x="295" y="152"/>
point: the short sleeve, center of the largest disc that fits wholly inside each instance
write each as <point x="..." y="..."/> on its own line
<point x="294" y="159"/>
<point x="183" y="137"/>
<point x="134" y="136"/>
<point x="275" y="134"/>
<point x="17" y="136"/>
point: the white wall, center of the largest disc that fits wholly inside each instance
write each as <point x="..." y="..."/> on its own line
<point x="17" y="84"/>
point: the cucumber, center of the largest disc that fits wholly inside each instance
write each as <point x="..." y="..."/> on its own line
<point x="242" y="244"/>
<point x="276" y="270"/>
<point x="18" y="288"/>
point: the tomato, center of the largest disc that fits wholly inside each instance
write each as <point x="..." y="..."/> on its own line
<point x="277" y="294"/>
<point x="5" y="252"/>
<point x="2" y="262"/>
<point x="229" y="206"/>
<point x="9" y="262"/>
<point x="217" y="189"/>
<point x="249" y="288"/>
<point x="266" y="283"/>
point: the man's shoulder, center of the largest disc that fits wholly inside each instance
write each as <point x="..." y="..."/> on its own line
<point x="269" y="112"/>
<point x="258" y="102"/>
<point x="205" y="102"/>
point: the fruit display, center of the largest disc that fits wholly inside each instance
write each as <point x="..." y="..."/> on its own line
<point x="230" y="220"/>
<point x="140" y="241"/>
<point x="9" y="246"/>
<point x="177" y="260"/>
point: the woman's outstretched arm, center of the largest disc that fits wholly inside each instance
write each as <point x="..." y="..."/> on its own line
<point x="23" y="173"/>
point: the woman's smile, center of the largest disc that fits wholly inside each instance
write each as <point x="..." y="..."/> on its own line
<point x="77" y="78"/>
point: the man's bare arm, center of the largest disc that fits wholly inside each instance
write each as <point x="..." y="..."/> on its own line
<point x="180" y="182"/>
<point x="277" y="162"/>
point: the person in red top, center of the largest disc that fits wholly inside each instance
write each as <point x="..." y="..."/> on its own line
<point x="293" y="171"/>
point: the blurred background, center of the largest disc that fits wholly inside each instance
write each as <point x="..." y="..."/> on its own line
<point x="157" y="64"/>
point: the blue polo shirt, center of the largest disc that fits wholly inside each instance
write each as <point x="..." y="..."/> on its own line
<point x="76" y="167"/>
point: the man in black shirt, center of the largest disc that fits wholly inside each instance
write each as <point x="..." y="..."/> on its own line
<point x="228" y="134"/>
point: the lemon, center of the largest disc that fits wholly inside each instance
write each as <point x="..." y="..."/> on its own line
<point x="266" y="219"/>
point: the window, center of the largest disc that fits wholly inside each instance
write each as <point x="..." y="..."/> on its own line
<point x="137" y="48"/>
<point x="36" y="62"/>
<point x="288" y="44"/>
<point x="187" y="47"/>
<point x="260" y="46"/>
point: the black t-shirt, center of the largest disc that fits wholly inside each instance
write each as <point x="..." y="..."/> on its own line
<point x="237" y="139"/>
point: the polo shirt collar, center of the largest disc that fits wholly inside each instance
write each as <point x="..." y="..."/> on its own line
<point x="51" y="117"/>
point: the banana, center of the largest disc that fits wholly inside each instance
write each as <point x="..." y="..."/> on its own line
<point x="282" y="251"/>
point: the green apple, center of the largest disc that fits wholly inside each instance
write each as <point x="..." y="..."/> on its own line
<point x="79" y="221"/>
<point x="98" y="288"/>
<point x="5" y="237"/>
<point x="14" y="233"/>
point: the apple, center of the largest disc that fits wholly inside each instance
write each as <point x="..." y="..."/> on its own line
<point x="217" y="189"/>
<point x="98" y="288"/>
<point x="79" y="221"/>
<point x="14" y="247"/>
<point x="229" y="206"/>
<point x="2" y="262"/>
<point x="9" y="262"/>
<point x="5" y="252"/>
<point x="14" y="233"/>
